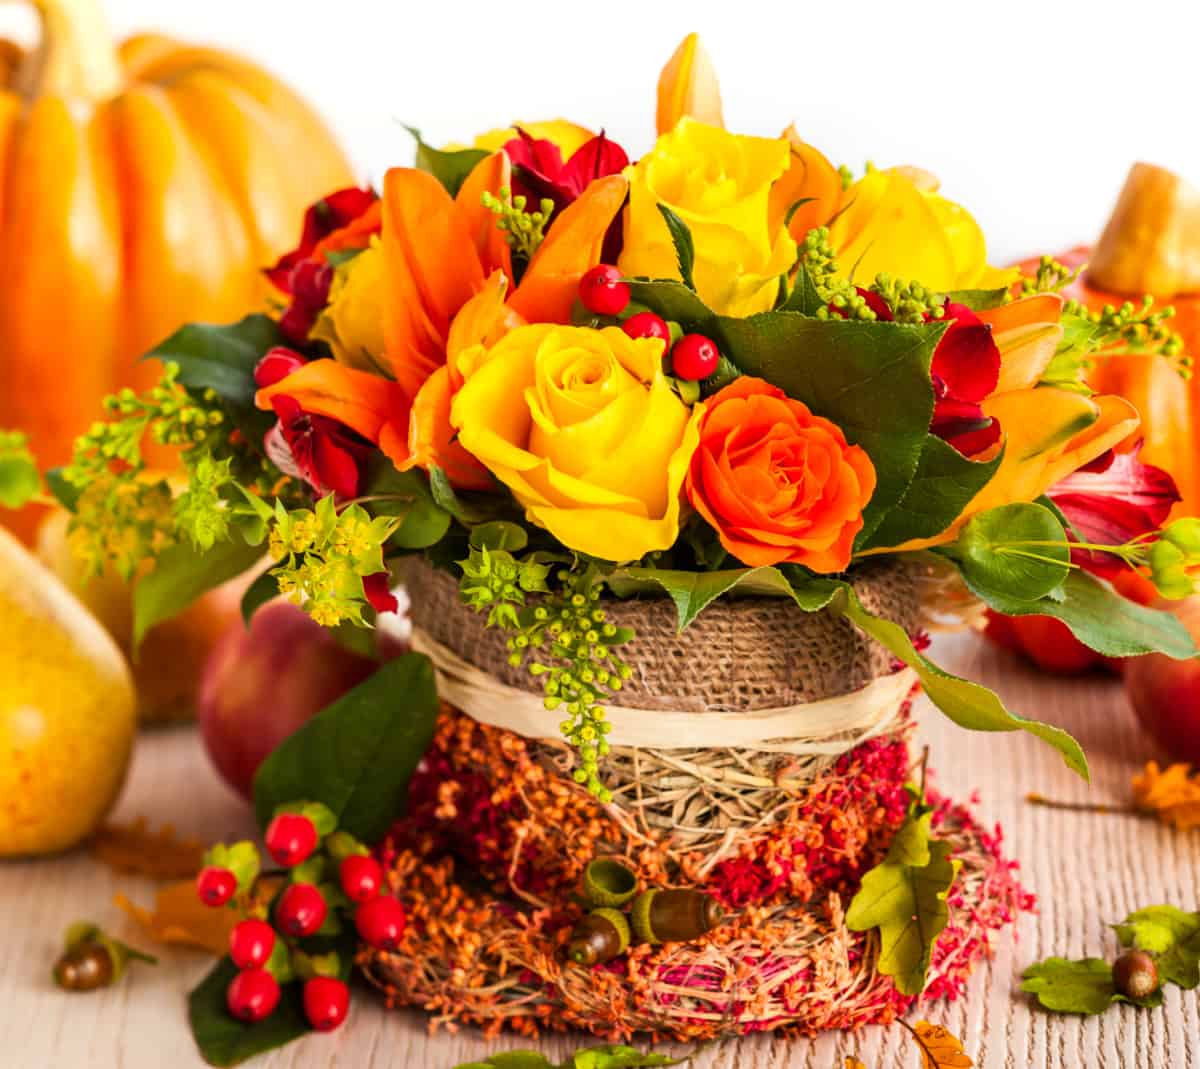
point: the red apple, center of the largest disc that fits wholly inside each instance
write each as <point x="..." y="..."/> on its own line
<point x="262" y="683"/>
<point x="1165" y="693"/>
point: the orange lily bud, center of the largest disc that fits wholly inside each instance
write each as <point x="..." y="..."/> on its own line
<point x="688" y="86"/>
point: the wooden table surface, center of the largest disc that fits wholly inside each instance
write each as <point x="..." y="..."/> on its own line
<point x="1087" y="871"/>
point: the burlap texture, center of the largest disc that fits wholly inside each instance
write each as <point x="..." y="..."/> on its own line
<point x="739" y="654"/>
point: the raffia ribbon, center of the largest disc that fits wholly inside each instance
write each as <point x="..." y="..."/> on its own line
<point x="829" y="726"/>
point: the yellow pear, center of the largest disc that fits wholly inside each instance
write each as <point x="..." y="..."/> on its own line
<point x="168" y="667"/>
<point x="67" y="711"/>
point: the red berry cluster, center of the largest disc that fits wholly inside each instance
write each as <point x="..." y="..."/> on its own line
<point x="266" y="953"/>
<point x="604" y="291"/>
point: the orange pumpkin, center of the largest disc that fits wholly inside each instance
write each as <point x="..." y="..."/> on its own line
<point x="141" y="186"/>
<point x="1152" y="245"/>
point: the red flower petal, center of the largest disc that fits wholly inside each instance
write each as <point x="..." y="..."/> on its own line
<point x="963" y="425"/>
<point x="324" y="451"/>
<point x="322" y="218"/>
<point x="597" y="158"/>
<point x="378" y="591"/>
<point x="966" y="362"/>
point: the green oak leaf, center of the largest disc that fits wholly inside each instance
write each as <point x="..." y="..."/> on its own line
<point x="1101" y="618"/>
<point x="904" y="897"/>
<point x="1172" y="935"/>
<point x="968" y="704"/>
<point x="1084" y="986"/>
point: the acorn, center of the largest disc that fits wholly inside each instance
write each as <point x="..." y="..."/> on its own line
<point x="599" y="937"/>
<point x="608" y="881"/>
<point x="92" y="960"/>
<point x="1135" y="974"/>
<point x="675" y="916"/>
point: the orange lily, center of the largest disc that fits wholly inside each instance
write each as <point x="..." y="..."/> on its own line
<point x="1048" y="432"/>
<point x="688" y="86"/>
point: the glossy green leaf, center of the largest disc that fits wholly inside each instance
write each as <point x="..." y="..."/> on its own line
<point x="1102" y="619"/>
<point x="968" y="704"/>
<point x="181" y="574"/>
<point x="979" y="300"/>
<point x="804" y="297"/>
<point x="685" y="250"/>
<point x="1084" y="986"/>
<point x="223" y="1040"/>
<point x="450" y="167"/>
<point x="498" y="534"/>
<point x="1013" y="551"/>
<point x="674" y="302"/>
<point x="258" y="593"/>
<point x="1172" y="935"/>
<point x="66" y="493"/>
<point x="904" y="897"/>
<point x="356" y="756"/>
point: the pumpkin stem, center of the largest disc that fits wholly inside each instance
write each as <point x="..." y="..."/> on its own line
<point x="75" y="58"/>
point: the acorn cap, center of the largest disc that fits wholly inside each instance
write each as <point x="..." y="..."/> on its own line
<point x="640" y="916"/>
<point x="608" y="881"/>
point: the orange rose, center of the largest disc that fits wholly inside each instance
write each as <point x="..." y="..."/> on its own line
<point x="778" y="484"/>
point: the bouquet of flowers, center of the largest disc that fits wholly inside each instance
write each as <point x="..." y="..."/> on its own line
<point x="727" y="382"/>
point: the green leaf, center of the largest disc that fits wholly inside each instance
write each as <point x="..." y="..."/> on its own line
<point x="804" y="297"/>
<point x="223" y="1039"/>
<point x="905" y="898"/>
<point x="693" y="592"/>
<point x="450" y="168"/>
<point x="673" y="301"/>
<point x="871" y="379"/>
<point x="979" y="300"/>
<point x="222" y="359"/>
<point x="258" y="593"/>
<point x="968" y="704"/>
<point x="1077" y="986"/>
<point x="356" y="756"/>
<point x="606" y="1057"/>
<point x="685" y="250"/>
<point x="1102" y="619"/>
<point x="1172" y="935"/>
<point x="67" y="493"/>
<point x="499" y="534"/>
<point x="19" y="479"/>
<point x="181" y="574"/>
<point x="1017" y="551"/>
<point x="406" y="495"/>
<point x="944" y="483"/>
<point x="469" y="510"/>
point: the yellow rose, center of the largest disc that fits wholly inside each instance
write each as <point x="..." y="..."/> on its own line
<point x="352" y="322"/>
<point x="720" y="185"/>
<point x="568" y="136"/>
<point x="583" y="428"/>
<point x="895" y="222"/>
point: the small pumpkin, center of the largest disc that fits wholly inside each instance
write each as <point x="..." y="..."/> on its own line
<point x="141" y="186"/>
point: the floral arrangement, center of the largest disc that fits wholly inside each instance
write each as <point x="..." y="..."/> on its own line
<point x="723" y="369"/>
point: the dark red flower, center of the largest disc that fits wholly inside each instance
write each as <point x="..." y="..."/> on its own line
<point x="378" y="590"/>
<point x="324" y="453"/>
<point x="541" y="172"/>
<point x="322" y="219"/>
<point x="1112" y="500"/>
<point x="276" y="366"/>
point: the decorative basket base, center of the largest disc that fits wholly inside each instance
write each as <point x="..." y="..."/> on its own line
<point x="489" y="863"/>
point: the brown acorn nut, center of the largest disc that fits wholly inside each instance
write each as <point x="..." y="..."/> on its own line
<point x="599" y="937"/>
<point x="1135" y="974"/>
<point x="677" y="916"/>
<point x="85" y="967"/>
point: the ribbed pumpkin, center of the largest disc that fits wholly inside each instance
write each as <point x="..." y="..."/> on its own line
<point x="1152" y="245"/>
<point x="141" y="186"/>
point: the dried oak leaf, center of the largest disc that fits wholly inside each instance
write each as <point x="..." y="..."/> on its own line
<point x="1172" y="795"/>
<point x="180" y="917"/>
<point x="853" y="1063"/>
<point x="940" y="1048"/>
<point x="158" y="855"/>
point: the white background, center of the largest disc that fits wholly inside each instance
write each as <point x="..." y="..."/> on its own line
<point x="1030" y="112"/>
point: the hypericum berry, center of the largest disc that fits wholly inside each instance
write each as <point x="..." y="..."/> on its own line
<point x="647" y="325"/>
<point x="361" y="877"/>
<point x="1135" y="974"/>
<point x="251" y="943"/>
<point x="601" y="290"/>
<point x="301" y="910"/>
<point x="215" y="886"/>
<point x="291" y="838"/>
<point x="380" y="922"/>
<point x="326" y="1001"/>
<point x="252" y="995"/>
<point x="276" y="366"/>
<point x="694" y="357"/>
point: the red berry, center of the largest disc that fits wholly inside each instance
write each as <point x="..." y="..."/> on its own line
<point x="602" y="291"/>
<point x="301" y="910"/>
<point x="310" y="281"/>
<point x="291" y="838"/>
<point x="276" y="366"/>
<point x="215" y="886"/>
<point x="380" y="921"/>
<point x="251" y="943"/>
<point x="326" y="1001"/>
<point x="694" y="357"/>
<point x="252" y="995"/>
<point x="361" y="877"/>
<point x="647" y="325"/>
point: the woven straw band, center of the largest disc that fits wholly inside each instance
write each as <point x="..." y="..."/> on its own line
<point x="829" y="726"/>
